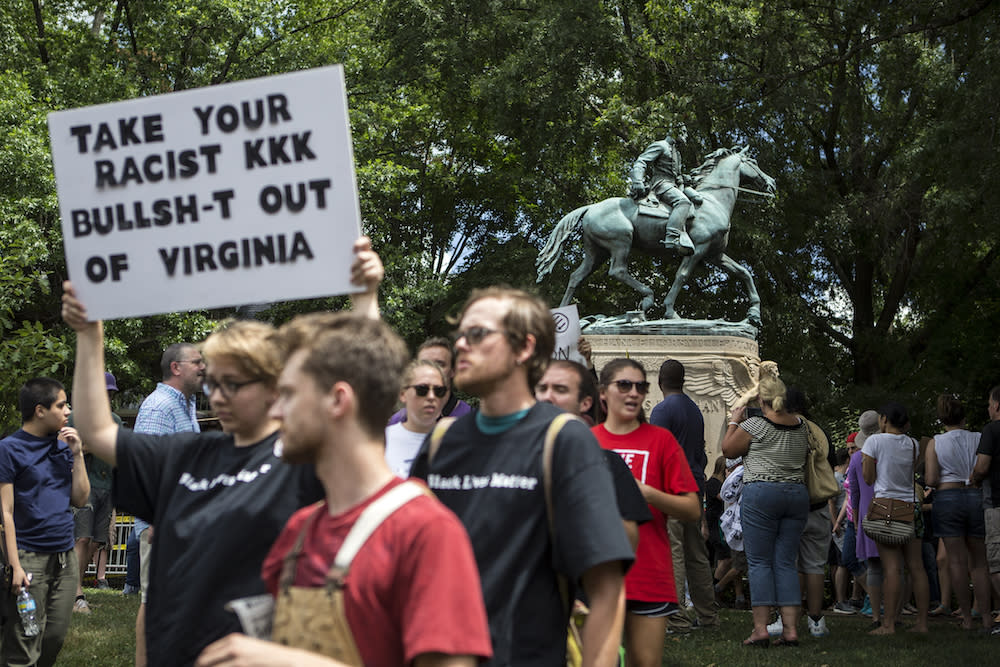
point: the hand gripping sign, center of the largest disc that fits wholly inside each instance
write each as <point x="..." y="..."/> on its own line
<point x="232" y="194"/>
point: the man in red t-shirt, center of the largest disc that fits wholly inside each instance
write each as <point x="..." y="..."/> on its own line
<point x="412" y="595"/>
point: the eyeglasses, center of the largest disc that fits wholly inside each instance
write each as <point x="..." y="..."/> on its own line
<point x="625" y="386"/>
<point x="227" y="387"/>
<point x="197" y="362"/>
<point x="422" y="389"/>
<point x="473" y="335"/>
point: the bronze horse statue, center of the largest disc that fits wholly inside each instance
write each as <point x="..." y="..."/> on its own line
<point x="611" y="228"/>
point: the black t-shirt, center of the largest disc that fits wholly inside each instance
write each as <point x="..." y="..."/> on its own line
<point x="217" y="509"/>
<point x="631" y="505"/>
<point x="681" y="416"/>
<point x="494" y="483"/>
<point x="989" y="445"/>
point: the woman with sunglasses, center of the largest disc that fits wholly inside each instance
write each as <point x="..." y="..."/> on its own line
<point x="422" y="395"/>
<point x="775" y="506"/>
<point x="661" y="470"/>
<point x="218" y="500"/>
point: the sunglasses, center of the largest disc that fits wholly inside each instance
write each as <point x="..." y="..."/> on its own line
<point x="625" y="386"/>
<point x="422" y="389"/>
<point x="473" y="335"/>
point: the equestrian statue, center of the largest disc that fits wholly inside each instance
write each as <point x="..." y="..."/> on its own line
<point x="699" y="231"/>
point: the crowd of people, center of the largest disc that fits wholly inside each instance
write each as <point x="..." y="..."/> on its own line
<point x="554" y="517"/>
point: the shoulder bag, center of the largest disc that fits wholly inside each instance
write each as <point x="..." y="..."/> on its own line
<point x="820" y="480"/>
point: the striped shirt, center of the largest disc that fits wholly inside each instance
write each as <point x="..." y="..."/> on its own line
<point x="777" y="452"/>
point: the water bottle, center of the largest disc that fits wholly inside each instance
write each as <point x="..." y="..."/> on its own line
<point x="26" y="609"/>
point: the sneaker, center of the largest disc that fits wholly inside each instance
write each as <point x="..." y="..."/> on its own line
<point x="776" y="629"/>
<point x="995" y="632"/>
<point x="866" y="610"/>
<point x="818" y="628"/>
<point x="102" y="584"/>
<point x="81" y="606"/>
<point x="844" y="608"/>
<point x="130" y="590"/>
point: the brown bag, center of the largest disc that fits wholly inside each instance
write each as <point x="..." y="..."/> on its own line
<point x="889" y="521"/>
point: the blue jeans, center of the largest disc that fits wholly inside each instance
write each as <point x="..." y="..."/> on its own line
<point x="774" y="515"/>
<point x="132" y="560"/>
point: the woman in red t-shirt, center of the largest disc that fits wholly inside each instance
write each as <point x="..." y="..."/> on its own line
<point x="664" y="477"/>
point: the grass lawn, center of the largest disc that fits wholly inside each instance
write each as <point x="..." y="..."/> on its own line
<point x="106" y="638"/>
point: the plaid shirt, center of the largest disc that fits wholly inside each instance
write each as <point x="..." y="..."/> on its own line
<point x="166" y="410"/>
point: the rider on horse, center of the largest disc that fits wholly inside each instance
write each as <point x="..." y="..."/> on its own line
<point x="660" y="165"/>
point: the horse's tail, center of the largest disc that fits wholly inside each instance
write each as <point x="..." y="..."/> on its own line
<point x="553" y="247"/>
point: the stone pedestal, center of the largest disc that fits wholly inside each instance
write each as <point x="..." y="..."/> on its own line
<point x="718" y="370"/>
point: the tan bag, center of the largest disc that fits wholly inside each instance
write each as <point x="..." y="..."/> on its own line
<point x="820" y="480"/>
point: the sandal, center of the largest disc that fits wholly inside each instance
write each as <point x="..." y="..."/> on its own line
<point x="939" y="610"/>
<point x="781" y="641"/>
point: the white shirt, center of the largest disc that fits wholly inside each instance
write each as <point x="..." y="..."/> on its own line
<point x="894" y="455"/>
<point x="401" y="447"/>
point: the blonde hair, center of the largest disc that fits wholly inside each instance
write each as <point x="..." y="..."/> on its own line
<point x="771" y="391"/>
<point x="250" y="346"/>
<point x="411" y="370"/>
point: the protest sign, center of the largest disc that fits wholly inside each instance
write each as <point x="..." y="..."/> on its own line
<point x="220" y="196"/>
<point x="567" y="320"/>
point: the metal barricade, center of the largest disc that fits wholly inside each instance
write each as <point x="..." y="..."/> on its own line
<point x="116" y="556"/>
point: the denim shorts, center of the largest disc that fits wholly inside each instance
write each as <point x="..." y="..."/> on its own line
<point x="959" y="513"/>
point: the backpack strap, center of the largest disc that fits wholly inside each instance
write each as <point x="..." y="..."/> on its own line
<point x="290" y="562"/>
<point x="371" y="518"/>
<point x="547" y="454"/>
<point x="437" y="435"/>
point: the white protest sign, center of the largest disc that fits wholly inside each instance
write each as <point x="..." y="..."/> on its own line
<point x="567" y="320"/>
<point x="220" y="196"/>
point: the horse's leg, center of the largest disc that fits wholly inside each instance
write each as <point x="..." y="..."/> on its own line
<point x="734" y="268"/>
<point x="684" y="271"/>
<point x="619" y="270"/>
<point x="591" y="254"/>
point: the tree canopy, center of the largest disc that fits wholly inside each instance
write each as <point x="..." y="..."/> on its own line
<point x="478" y="125"/>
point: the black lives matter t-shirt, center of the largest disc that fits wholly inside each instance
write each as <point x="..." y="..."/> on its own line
<point x="494" y="484"/>
<point x="216" y="509"/>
